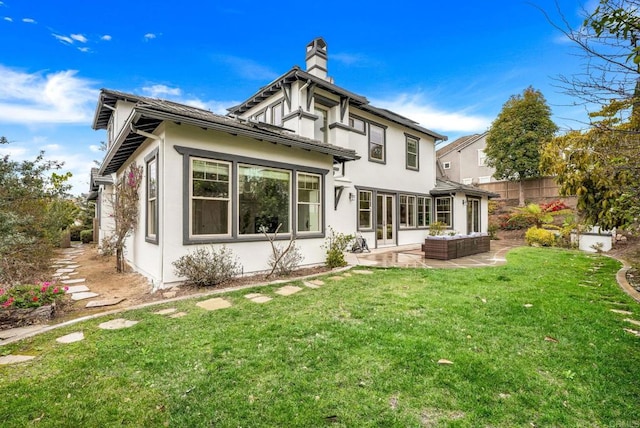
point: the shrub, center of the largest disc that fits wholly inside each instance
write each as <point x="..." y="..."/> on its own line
<point x="284" y="264"/>
<point x="437" y="228"/>
<point x="208" y="266"/>
<point x="554" y="206"/>
<point x="75" y="230"/>
<point x="537" y="237"/>
<point x="30" y="295"/>
<point x="86" y="236"/>
<point x="335" y="245"/>
<point x="492" y="229"/>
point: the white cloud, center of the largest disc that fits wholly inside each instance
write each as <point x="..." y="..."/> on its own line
<point x="149" y="36"/>
<point x="29" y="20"/>
<point x="79" y="38"/>
<point x="95" y="148"/>
<point x="8" y="19"/>
<point x="58" y="97"/>
<point x="415" y="107"/>
<point x="158" y="91"/>
<point x="63" y="39"/>
<point x="84" y="49"/>
<point x="106" y="38"/>
<point x="352" y="59"/>
<point x="247" y="68"/>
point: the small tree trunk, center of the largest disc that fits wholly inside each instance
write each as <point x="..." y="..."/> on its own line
<point x="119" y="260"/>
<point x="520" y="194"/>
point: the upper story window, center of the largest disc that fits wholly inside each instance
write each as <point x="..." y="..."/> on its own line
<point x="321" y="127"/>
<point x="276" y="114"/>
<point x="446" y="165"/>
<point x="467" y="181"/>
<point x="482" y="158"/>
<point x="357" y="124"/>
<point x="261" y="117"/>
<point x="412" y="153"/>
<point x="376" y="143"/>
<point x="484" y="179"/>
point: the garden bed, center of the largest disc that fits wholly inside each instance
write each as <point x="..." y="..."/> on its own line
<point x="20" y="317"/>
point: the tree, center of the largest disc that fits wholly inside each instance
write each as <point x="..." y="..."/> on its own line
<point x="125" y="212"/>
<point x="601" y="165"/>
<point x="516" y="136"/>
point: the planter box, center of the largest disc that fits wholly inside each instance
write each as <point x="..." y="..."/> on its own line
<point x="452" y="247"/>
<point x="11" y="318"/>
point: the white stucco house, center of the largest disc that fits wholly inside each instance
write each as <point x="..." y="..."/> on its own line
<point x="301" y="152"/>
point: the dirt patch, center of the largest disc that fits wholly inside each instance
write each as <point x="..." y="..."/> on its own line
<point x="101" y="277"/>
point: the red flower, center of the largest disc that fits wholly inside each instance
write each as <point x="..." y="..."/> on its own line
<point x="35" y="299"/>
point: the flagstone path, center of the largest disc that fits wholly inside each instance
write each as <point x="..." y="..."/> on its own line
<point x="213" y="304"/>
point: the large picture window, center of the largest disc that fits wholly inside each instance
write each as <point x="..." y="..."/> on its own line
<point x="309" y="194"/>
<point x="210" y="197"/>
<point x="424" y="211"/>
<point x="443" y="210"/>
<point x="364" y="210"/>
<point x="412" y="153"/>
<point x="152" y="199"/>
<point x="264" y="196"/>
<point x="407" y="211"/>
<point x="376" y="143"/>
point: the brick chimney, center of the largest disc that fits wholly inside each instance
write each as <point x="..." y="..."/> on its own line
<point x="316" y="58"/>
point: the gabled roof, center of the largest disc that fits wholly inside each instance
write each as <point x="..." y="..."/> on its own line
<point x="149" y="113"/>
<point x="459" y="144"/>
<point x="447" y="187"/>
<point x="359" y="101"/>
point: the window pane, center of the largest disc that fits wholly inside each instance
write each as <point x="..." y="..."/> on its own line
<point x="321" y="123"/>
<point x="411" y="208"/>
<point x="364" y="209"/>
<point x="151" y="218"/>
<point x="152" y="174"/>
<point x="263" y="199"/>
<point x="376" y="142"/>
<point x="308" y="188"/>
<point x="376" y="134"/>
<point x="209" y="217"/>
<point x="308" y="218"/>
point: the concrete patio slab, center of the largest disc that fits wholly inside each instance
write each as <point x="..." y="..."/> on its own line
<point x="214" y="304"/>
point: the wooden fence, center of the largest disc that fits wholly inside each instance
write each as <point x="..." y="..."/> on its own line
<point x="539" y="189"/>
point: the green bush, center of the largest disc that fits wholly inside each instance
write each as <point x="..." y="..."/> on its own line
<point x="335" y="245"/>
<point x="75" y="230"/>
<point x="31" y="295"/>
<point x="208" y="266"/>
<point x="537" y="237"/>
<point x="86" y="236"/>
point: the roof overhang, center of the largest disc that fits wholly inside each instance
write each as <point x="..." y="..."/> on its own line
<point x="448" y="187"/>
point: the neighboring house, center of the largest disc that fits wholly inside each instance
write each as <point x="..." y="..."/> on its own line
<point x="463" y="160"/>
<point x="301" y="152"/>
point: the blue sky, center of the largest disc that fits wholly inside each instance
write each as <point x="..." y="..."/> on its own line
<point x="448" y="65"/>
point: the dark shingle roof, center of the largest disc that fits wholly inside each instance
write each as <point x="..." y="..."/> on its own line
<point x="447" y="187"/>
<point x="149" y="113"/>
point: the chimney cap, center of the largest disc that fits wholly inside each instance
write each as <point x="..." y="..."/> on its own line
<point x="317" y="46"/>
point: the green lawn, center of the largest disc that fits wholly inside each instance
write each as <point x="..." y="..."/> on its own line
<point x="359" y="352"/>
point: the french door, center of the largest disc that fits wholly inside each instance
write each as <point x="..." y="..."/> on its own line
<point x="473" y="216"/>
<point x="385" y="219"/>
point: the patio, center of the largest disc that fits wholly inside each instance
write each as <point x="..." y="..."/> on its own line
<point x="411" y="256"/>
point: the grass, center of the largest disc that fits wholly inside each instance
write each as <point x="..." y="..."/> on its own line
<point x="361" y="352"/>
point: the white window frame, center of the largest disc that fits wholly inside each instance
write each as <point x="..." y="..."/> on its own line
<point x="446" y="165"/>
<point x="277" y="113"/>
<point x="367" y="210"/>
<point x="383" y="143"/>
<point x="447" y="213"/>
<point x="408" y="153"/>
<point x="316" y="204"/>
<point x="228" y="199"/>
<point x="467" y="181"/>
<point x="484" y="179"/>
<point x="151" y="215"/>
<point x="482" y="158"/>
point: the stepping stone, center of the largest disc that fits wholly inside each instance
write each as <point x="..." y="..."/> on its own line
<point x="316" y="282"/>
<point x="634" y="322"/>
<point x="73" y="266"/>
<point x="444" y="362"/>
<point x="64" y="277"/>
<point x="634" y="332"/>
<point x="14" y="359"/>
<point x="336" y="278"/>
<point x="169" y="294"/>
<point x="117" y="324"/>
<point x="528" y="305"/>
<point x="107" y="302"/>
<point x="178" y="315"/>
<point x="252" y="295"/>
<point x="214" y="304"/>
<point x="73" y="281"/>
<point x="166" y="311"/>
<point x="77" y="289"/>
<point x="347" y="274"/>
<point x="70" y="338"/>
<point x="310" y="284"/>
<point x="259" y="298"/>
<point x="83" y="295"/>
<point x="288" y="290"/>
<point x="64" y="270"/>
<point x="620" y="311"/>
<point x="12" y="332"/>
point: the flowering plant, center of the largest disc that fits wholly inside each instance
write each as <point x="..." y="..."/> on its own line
<point x="30" y="295"/>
